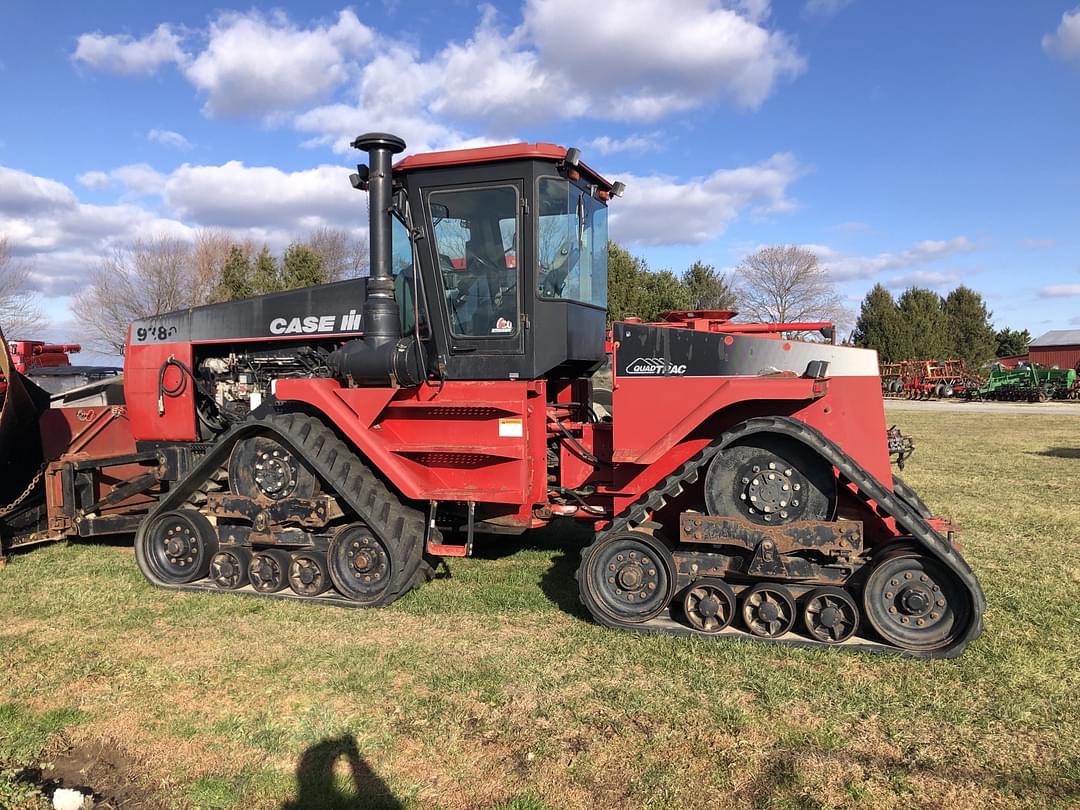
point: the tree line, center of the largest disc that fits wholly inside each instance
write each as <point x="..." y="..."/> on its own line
<point x="921" y="324"/>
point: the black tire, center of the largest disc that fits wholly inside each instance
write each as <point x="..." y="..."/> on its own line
<point x="768" y="611"/>
<point x="748" y="480"/>
<point x="269" y="570"/>
<point x="229" y="568"/>
<point x="830" y="615"/>
<point x="177" y="547"/>
<point x="361" y="566"/>
<point x="627" y="577"/>
<point x="709" y="605"/>
<point x="307" y="573"/>
<point x="261" y="467"/>
<point x="915" y="602"/>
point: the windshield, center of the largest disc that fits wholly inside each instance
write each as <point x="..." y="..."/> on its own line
<point x="572" y="243"/>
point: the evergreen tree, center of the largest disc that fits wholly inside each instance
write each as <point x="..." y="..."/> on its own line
<point x="879" y="326"/>
<point x="302" y="267"/>
<point x="925" y="333"/>
<point x="660" y="291"/>
<point x="235" y="282"/>
<point x="706" y="288"/>
<point x="624" y="273"/>
<point x="971" y="336"/>
<point x="266" y="278"/>
<point x="1011" y="342"/>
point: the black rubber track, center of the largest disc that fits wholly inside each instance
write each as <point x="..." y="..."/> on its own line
<point x="903" y="505"/>
<point x="399" y="526"/>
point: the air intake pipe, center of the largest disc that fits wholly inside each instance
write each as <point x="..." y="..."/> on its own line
<point x="382" y="354"/>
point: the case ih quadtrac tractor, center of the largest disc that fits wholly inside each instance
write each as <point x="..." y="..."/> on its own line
<point x="329" y="444"/>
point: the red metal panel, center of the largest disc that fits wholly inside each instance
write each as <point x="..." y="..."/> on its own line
<point x="489" y="154"/>
<point x="1060" y="356"/>
<point x="141" y="369"/>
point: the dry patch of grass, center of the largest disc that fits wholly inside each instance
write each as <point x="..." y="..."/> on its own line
<point x="490" y="689"/>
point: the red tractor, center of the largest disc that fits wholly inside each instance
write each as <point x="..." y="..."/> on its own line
<point x="330" y="444"/>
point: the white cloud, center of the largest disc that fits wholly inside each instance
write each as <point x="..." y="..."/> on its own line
<point x="166" y="137"/>
<point x="1064" y="43"/>
<point x="663" y="211"/>
<point x="846" y="267"/>
<point x="127" y="56"/>
<point x="923" y="278"/>
<point x="137" y="179"/>
<point x="631" y="143"/>
<point x="1060" y="291"/>
<point x="255" y="65"/>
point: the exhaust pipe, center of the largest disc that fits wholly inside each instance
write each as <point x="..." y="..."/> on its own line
<point x="382" y="353"/>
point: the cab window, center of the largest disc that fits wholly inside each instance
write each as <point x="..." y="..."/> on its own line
<point x="572" y="243"/>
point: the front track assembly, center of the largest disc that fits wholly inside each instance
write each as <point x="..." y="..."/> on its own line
<point x="281" y="507"/>
<point x="809" y="583"/>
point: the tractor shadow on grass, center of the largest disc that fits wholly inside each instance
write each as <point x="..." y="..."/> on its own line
<point x="1059" y="452"/>
<point x="564" y="539"/>
<point x="318" y="780"/>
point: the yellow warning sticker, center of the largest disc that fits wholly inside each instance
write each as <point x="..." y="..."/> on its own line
<point x="513" y="427"/>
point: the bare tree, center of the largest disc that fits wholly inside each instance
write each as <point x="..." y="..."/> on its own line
<point x="785" y="284"/>
<point x="20" y="310"/>
<point x="343" y="256"/>
<point x="208" y="257"/>
<point x="147" y="278"/>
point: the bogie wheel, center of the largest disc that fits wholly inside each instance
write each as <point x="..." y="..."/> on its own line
<point x="709" y="605"/>
<point x="915" y="601"/>
<point x="627" y="577"/>
<point x="768" y="479"/>
<point x="229" y="568"/>
<point x="307" y="574"/>
<point x="360" y="564"/>
<point x="177" y="547"/>
<point x="269" y="570"/>
<point x="830" y="615"/>
<point x="261" y="467"/>
<point x="768" y="610"/>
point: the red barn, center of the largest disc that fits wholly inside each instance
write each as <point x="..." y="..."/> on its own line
<point x="1059" y="347"/>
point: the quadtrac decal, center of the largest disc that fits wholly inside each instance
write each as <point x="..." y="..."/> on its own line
<point x="654" y="367"/>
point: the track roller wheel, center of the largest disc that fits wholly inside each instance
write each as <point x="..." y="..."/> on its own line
<point x="269" y="570"/>
<point x="177" y="547"/>
<point x="769" y="479"/>
<point x="709" y="605"/>
<point x="768" y="610"/>
<point x="359" y="563"/>
<point x="229" y="568"/>
<point x="830" y="615"/>
<point x="627" y="577"/>
<point x="261" y="467"/>
<point x="914" y="601"/>
<point x="307" y="574"/>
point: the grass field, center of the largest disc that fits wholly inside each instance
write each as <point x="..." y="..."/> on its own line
<point x="490" y="689"/>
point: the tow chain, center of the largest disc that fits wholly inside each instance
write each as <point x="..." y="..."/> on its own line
<point x="11" y="507"/>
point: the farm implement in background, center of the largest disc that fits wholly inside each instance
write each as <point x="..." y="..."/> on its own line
<point x="1029" y="383"/>
<point x="927" y="379"/>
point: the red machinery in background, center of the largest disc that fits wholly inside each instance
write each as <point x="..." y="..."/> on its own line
<point x="329" y="444"/>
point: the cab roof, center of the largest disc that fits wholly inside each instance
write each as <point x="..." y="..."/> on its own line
<point x="492" y="154"/>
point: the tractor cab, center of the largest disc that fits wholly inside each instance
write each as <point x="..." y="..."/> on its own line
<point x="499" y="258"/>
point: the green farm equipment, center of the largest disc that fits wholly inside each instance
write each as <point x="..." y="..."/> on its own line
<point x="1028" y="383"/>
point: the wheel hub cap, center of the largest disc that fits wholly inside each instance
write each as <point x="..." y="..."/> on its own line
<point x="709" y="607"/>
<point x="275" y="473"/>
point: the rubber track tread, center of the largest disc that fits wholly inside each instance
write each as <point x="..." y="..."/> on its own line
<point x="400" y="527"/>
<point x="903" y="505"/>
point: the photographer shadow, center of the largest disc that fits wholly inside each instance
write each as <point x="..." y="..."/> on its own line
<point x="319" y="786"/>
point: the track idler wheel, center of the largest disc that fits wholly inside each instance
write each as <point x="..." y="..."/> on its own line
<point x="307" y="574"/>
<point x="177" y="547"/>
<point x="260" y="466"/>
<point x="229" y="568"/>
<point x="830" y="615"/>
<point x="915" y="602"/>
<point x="709" y="605"/>
<point x="768" y="611"/>
<point x="359" y="564"/>
<point x="269" y="570"/>
<point x="627" y="577"/>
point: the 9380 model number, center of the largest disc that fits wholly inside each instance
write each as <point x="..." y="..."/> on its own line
<point x="143" y="333"/>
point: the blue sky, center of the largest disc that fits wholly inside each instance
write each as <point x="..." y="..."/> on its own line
<point x="909" y="143"/>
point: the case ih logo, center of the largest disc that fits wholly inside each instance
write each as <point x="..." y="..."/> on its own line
<point x="655" y="366"/>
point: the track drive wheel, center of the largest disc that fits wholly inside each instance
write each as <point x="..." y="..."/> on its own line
<point x="830" y="615"/>
<point x="269" y="570"/>
<point x="177" y="547"/>
<point x="768" y="611"/>
<point x="914" y="601"/>
<point x="229" y="568"/>
<point x="360" y="565"/>
<point x="769" y="479"/>
<point x="627" y="577"/>
<point x="709" y="605"/>
<point x="307" y="574"/>
<point x="261" y="466"/>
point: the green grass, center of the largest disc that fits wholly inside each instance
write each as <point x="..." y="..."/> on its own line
<point x="490" y="689"/>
